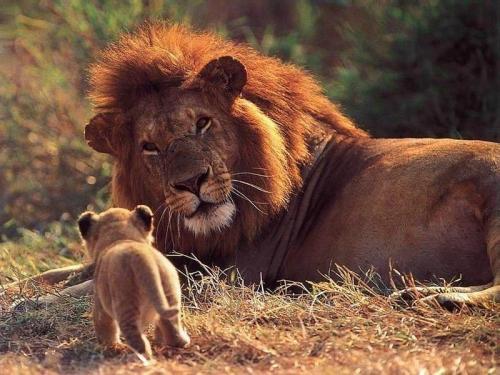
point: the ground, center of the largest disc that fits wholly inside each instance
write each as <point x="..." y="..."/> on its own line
<point x="329" y="328"/>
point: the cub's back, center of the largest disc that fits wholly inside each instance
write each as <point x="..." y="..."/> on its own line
<point x="116" y="276"/>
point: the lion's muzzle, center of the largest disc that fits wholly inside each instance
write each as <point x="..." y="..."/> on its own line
<point x="193" y="183"/>
<point x="198" y="186"/>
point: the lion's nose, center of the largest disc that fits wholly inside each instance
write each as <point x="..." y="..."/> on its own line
<point x="192" y="184"/>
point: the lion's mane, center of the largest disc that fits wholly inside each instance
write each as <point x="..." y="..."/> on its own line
<point x="281" y="109"/>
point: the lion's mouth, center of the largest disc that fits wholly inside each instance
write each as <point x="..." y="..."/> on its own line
<point x="204" y="209"/>
<point x="210" y="216"/>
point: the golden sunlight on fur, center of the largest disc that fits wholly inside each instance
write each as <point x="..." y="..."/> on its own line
<point x="211" y="131"/>
<point x="247" y="163"/>
<point x="135" y="285"/>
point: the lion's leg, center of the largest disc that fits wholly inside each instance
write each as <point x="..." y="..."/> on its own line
<point x="493" y="243"/>
<point x="483" y="298"/>
<point x="483" y="295"/>
<point x="78" y="284"/>
<point x="411" y="294"/>
<point x="451" y="297"/>
<point x="50" y="277"/>
<point x="80" y="290"/>
<point x="85" y="274"/>
<point x="487" y="296"/>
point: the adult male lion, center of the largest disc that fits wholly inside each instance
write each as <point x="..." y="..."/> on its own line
<point x="248" y="163"/>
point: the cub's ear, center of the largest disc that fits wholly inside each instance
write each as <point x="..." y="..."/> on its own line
<point x="145" y="216"/>
<point x="99" y="133"/>
<point x="226" y="73"/>
<point x="85" y="223"/>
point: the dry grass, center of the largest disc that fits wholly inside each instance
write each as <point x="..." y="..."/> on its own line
<point x="330" y="328"/>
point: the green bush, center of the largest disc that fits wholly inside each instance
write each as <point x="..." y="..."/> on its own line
<point x="424" y="68"/>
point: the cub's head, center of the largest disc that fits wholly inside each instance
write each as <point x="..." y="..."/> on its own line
<point x="101" y="230"/>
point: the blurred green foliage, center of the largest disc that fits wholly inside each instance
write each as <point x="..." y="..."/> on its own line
<point x="399" y="67"/>
<point x="424" y="68"/>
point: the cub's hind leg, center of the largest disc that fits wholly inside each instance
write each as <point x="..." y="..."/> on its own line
<point x="129" y="321"/>
<point x="170" y="332"/>
<point x="106" y="329"/>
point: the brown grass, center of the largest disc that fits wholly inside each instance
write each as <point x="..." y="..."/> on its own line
<point x="330" y="328"/>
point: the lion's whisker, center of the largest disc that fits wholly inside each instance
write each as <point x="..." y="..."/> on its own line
<point x="262" y="169"/>
<point x="241" y="195"/>
<point x="252" y="174"/>
<point x="231" y="200"/>
<point x="159" y="224"/>
<point x="167" y="232"/>
<point x="252" y="185"/>
<point x="178" y="227"/>
<point x="254" y="201"/>
<point x="158" y="208"/>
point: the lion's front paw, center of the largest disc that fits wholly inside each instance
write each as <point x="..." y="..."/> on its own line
<point x="448" y="301"/>
<point x="21" y="305"/>
<point x="408" y="296"/>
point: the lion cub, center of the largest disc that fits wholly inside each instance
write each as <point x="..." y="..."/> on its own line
<point x="134" y="283"/>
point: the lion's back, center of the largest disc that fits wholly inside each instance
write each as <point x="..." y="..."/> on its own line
<point x="415" y="203"/>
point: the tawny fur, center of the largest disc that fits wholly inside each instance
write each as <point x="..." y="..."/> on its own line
<point x="135" y="285"/>
<point x="279" y="111"/>
<point x="429" y="207"/>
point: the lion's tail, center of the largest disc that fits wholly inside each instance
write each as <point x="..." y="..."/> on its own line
<point x="147" y="272"/>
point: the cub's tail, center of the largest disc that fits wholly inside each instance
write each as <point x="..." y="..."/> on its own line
<point x="147" y="273"/>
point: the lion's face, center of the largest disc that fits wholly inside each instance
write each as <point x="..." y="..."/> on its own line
<point x="200" y="149"/>
<point x="188" y="152"/>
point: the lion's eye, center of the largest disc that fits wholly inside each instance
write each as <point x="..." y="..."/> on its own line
<point x="203" y="124"/>
<point x="150" y="148"/>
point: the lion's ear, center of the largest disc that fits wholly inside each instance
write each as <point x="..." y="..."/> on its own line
<point x="85" y="223"/>
<point x="227" y="73"/>
<point x="99" y="133"/>
<point x="145" y="216"/>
